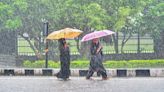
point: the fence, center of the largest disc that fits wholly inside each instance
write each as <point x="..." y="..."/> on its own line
<point x="146" y="46"/>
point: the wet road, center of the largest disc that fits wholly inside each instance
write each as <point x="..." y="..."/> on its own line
<point x="79" y="84"/>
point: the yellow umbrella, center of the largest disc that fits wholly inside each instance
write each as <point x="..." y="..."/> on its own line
<point x="64" y="33"/>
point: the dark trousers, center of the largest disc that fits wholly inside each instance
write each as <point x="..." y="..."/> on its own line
<point x="65" y="68"/>
<point x="102" y="72"/>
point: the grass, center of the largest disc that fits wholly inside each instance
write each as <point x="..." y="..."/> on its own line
<point x="131" y="45"/>
<point x="108" y="64"/>
<point x="23" y="46"/>
<point x="25" y="49"/>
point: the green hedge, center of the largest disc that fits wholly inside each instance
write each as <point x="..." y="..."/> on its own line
<point x="40" y="64"/>
<point x="107" y="64"/>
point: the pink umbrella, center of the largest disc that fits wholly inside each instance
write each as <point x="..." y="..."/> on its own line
<point x="96" y="34"/>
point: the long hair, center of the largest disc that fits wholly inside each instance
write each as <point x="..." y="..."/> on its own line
<point x="94" y="47"/>
<point x="94" y="44"/>
<point x="62" y="42"/>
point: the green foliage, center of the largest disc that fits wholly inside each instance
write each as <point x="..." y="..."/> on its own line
<point x="26" y="16"/>
<point x="10" y="13"/>
<point x="40" y="64"/>
<point x="27" y="63"/>
<point x="80" y="64"/>
<point x="135" y="64"/>
<point x="107" y="64"/>
<point x="124" y="12"/>
<point x="21" y="4"/>
<point x="53" y="64"/>
<point x="5" y="10"/>
<point x="96" y="14"/>
<point x="116" y="64"/>
<point x="158" y="10"/>
<point x="13" y="24"/>
<point x="153" y="18"/>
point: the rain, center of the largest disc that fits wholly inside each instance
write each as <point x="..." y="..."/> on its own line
<point x="137" y="42"/>
<point x="138" y="35"/>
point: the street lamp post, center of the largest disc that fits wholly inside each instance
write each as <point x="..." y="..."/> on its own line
<point x="138" y="38"/>
<point x="45" y="33"/>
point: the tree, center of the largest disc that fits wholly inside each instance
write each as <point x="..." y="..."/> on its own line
<point x="8" y="12"/>
<point x="153" y="21"/>
<point x="23" y="16"/>
<point x="85" y="15"/>
<point x="127" y="16"/>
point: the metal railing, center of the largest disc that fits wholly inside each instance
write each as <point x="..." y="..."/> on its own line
<point x="146" y="46"/>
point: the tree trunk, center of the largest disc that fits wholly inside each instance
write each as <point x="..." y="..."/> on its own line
<point x="84" y="49"/>
<point x="124" y="40"/>
<point x="159" y="45"/>
<point x="36" y="51"/>
<point x="115" y="38"/>
<point x="138" y="45"/>
<point x="77" y="44"/>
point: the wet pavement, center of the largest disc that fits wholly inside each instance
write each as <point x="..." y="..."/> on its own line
<point x="80" y="84"/>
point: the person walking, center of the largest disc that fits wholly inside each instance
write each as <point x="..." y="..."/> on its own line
<point x="96" y="60"/>
<point x="64" y="72"/>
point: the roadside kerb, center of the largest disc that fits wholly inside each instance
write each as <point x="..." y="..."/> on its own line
<point x="129" y="72"/>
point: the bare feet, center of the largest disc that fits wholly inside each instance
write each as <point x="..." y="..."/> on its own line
<point x="89" y="79"/>
<point x="105" y="78"/>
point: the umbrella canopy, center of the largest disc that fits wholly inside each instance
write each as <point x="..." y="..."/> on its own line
<point x="96" y="34"/>
<point x="64" y="33"/>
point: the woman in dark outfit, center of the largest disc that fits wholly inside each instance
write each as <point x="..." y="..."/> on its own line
<point x="64" y="72"/>
<point x="96" y="60"/>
